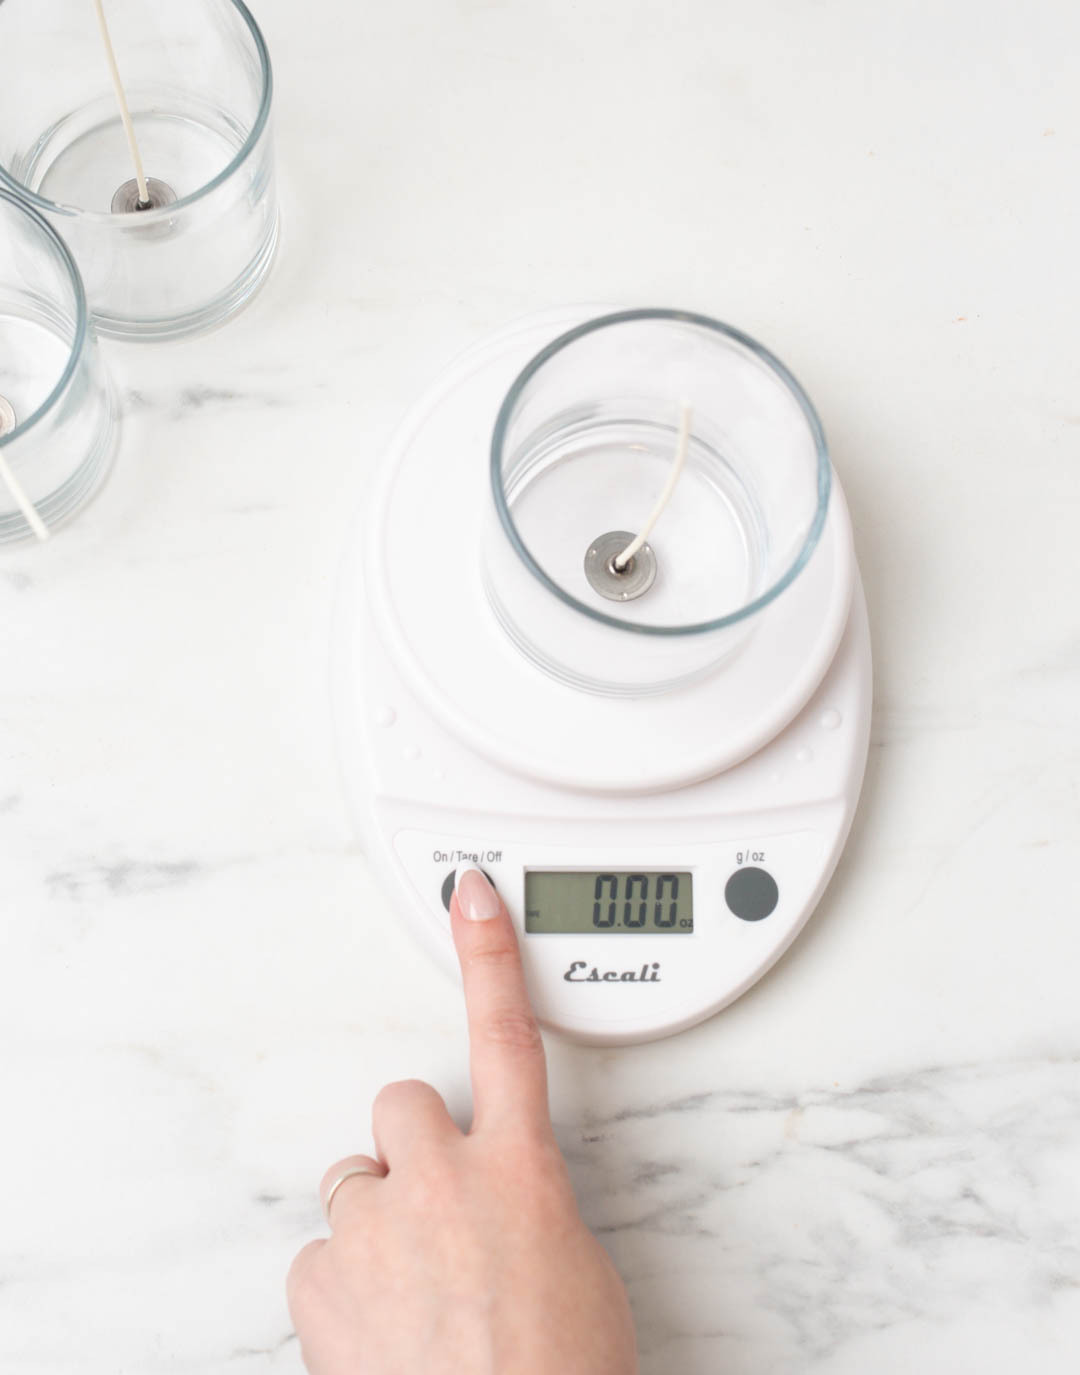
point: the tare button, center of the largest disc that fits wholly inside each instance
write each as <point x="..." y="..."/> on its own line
<point x="451" y="879"/>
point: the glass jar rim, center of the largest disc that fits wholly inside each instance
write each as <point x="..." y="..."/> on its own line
<point x="165" y="211"/>
<point x="82" y="316"/>
<point x="824" y="471"/>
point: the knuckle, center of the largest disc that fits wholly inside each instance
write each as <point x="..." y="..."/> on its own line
<point x="549" y="1198"/>
<point x="514" y="1029"/>
<point x="402" y="1093"/>
<point x="535" y="1148"/>
<point x="537" y="1140"/>
<point x="302" y="1281"/>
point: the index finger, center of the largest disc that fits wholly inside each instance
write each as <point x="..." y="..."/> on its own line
<point x="509" y="1072"/>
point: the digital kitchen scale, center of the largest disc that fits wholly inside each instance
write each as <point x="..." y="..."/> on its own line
<point x="660" y="802"/>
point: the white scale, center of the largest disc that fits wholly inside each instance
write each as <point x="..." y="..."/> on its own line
<point x="686" y="836"/>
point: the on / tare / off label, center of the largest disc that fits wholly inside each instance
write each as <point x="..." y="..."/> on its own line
<point x="466" y="856"/>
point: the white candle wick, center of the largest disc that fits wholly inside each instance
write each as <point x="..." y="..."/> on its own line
<point x="681" y="447"/>
<point x="121" y="100"/>
<point x="22" y="501"/>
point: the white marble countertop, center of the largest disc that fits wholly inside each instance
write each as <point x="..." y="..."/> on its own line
<point x="869" y="1163"/>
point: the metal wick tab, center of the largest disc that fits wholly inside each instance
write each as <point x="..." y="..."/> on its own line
<point x="619" y="584"/>
<point x="126" y="200"/>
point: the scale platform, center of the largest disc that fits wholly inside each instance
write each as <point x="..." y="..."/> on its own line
<point x="698" y="827"/>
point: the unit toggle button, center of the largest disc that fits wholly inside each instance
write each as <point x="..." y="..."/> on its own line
<point x="752" y="893"/>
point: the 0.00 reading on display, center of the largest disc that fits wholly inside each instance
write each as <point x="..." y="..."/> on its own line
<point x="577" y="903"/>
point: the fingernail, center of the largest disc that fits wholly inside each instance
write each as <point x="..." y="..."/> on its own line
<point x="476" y="897"/>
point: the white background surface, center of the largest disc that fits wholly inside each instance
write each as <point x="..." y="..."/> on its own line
<point x="870" y="1162"/>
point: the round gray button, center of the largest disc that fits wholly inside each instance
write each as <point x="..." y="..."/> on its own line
<point x="751" y="894"/>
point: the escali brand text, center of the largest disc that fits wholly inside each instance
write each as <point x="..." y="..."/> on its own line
<point x="647" y="974"/>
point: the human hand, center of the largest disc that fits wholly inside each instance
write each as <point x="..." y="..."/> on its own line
<point x="464" y="1254"/>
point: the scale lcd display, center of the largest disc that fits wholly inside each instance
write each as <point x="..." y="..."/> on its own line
<point x="582" y="903"/>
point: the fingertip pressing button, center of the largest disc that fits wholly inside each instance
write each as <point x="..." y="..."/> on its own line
<point x="451" y="879"/>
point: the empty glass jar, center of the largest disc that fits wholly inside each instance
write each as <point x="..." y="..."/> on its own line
<point x="57" y="418"/>
<point x="198" y="83"/>
<point x="585" y="441"/>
